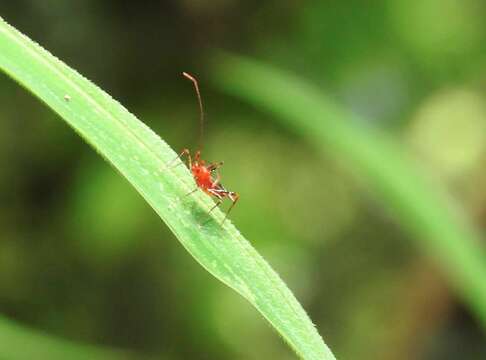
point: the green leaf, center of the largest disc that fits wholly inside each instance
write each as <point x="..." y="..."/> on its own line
<point x="143" y="158"/>
<point x="419" y="205"/>
<point x="19" y="342"/>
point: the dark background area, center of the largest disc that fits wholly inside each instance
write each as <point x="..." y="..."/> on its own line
<point x="83" y="257"/>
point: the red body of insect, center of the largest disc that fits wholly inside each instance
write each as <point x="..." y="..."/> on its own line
<point x="207" y="176"/>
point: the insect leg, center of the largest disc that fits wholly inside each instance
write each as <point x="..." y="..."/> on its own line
<point x="216" y="181"/>
<point x="234" y="197"/>
<point x="218" y="201"/>
<point x="215" y="166"/>
<point x="191" y="192"/>
<point x="221" y="193"/>
<point x="184" y="152"/>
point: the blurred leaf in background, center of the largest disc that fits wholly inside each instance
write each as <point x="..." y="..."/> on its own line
<point x="413" y="69"/>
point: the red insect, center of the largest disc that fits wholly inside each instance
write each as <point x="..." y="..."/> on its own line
<point x="207" y="176"/>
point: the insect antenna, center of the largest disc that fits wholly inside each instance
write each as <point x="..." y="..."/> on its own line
<point x="201" y="111"/>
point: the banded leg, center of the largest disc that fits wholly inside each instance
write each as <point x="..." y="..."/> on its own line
<point x="221" y="194"/>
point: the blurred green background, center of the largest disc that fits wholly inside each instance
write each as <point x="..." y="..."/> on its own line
<point x="84" y="258"/>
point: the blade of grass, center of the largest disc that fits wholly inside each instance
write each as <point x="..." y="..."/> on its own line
<point x="421" y="207"/>
<point x="19" y="342"/>
<point x="142" y="158"/>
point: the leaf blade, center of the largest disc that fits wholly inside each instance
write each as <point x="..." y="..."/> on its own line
<point x="19" y="342"/>
<point x="142" y="157"/>
<point x="422" y="208"/>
